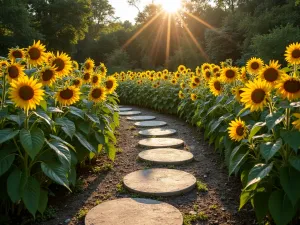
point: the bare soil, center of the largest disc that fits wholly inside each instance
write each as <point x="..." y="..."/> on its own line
<point x="220" y="203"/>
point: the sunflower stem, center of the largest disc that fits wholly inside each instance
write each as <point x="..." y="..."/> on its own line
<point x="288" y="112"/>
<point x="3" y="90"/>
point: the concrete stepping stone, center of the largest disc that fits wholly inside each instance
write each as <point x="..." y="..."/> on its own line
<point x="130" y="113"/>
<point x="167" y="156"/>
<point x="150" y="124"/>
<point x="121" y="106"/>
<point x="134" y="211"/>
<point x="140" y="118"/>
<point x="161" y="142"/>
<point x="158" y="132"/>
<point x="159" y="182"/>
<point x="125" y="109"/>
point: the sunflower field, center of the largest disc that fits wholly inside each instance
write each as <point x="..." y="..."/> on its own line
<point x="55" y="116"/>
<point x="251" y="115"/>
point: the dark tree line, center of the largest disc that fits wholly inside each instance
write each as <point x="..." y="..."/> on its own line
<point x="237" y="29"/>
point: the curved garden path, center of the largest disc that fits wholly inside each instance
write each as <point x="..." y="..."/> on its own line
<point x="218" y="205"/>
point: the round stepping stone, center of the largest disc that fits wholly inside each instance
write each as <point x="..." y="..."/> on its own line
<point x="125" y="109"/>
<point x="129" y="113"/>
<point x="150" y="124"/>
<point x="161" y="142"/>
<point x="159" y="182"/>
<point x="159" y="132"/>
<point x="137" y="211"/>
<point x="166" y="156"/>
<point x="121" y="106"/>
<point x="141" y="118"/>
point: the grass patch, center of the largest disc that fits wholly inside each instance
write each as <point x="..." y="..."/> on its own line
<point x="81" y="214"/>
<point x="189" y="219"/>
<point x="103" y="169"/>
<point x="213" y="207"/>
<point x="120" y="188"/>
<point x="201" y="187"/>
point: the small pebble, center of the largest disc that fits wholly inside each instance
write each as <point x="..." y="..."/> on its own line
<point x="67" y="220"/>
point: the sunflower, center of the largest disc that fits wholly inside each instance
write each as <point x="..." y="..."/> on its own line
<point x="256" y="94"/>
<point x="289" y="87"/>
<point x="159" y="74"/>
<point x="243" y="74"/>
<point x="182" y="85"/>
<point x="196" y="80"/>
<point x="207" y="74"/>
<point x="77" y="82"/>
<point x="68" y="95"/>
<point x="97" y="94"/>
<point x="215" y="86"/>
<point x="111" y="84"/>
<point x="193" y="97"/>
<point x="292" y="53"/>
<point x="254" y="65"/>
<point x="193" y="85"/>
<point x="86" y="77"/>
<point x="16" y="53"/>
<point x="229" y="74"/>
<point x="205" y="66"/>
<point x="181" y="69"/>
<point x="49" y="56"/>
<point x="237" y="91"/>
<point x="62" y="63"/>
<point x="75" y="65"/>
<point x="296" y="123"/>
<point x="14" y="71"/>
<point x="88" y="65"/>
<point x="237" y="130"/>
<point x="95" y="79"/>
<point x="271" y="73"/>
<point x="3" y="64"/>
<point x="216" y="69"/>
<point x="26" y="93"/>
<point x="47" y="75"/>
<point x="36" y="53"/>
<point x="174" y="81"/>
<point x="181" y="95"/>
<point x="198" y="71"/>
<point x="165" y="77"/>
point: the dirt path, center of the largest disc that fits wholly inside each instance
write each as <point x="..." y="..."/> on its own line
<point x="220" y="203"/>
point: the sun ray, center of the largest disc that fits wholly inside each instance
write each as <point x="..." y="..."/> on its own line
<point x="202" y="21"/>
<point x="168" y="41"/>
<point x="141" y="30"/>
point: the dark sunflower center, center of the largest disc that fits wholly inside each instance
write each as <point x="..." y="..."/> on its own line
<point x="17" y="54"/>
<point x="271" y="74"/>
<point x="207" y="74"/>
<point x="13" y="72"/>
<point x="218" y="74"/>
<point x="47" y="75"/>
<point x="217" y="85"/>
<point x="87" y="66"/>
<point x="26" y="93"/>
<point x="254" y="65"/>
<point x="76" y="82"/>
<point x="292" y="86"/>
<point x="230" y="74"/>
<point x="197" y="80"/>
<point x="34" y="53"/>
<point x="296" y="53"/>
<point x="66" y="94"/>
<point x="240" y="130"/>
<point x="95" y="79"/>
<point x="59" y="64"/>
<point x="96" y="93"/>
<point x="206" y="67"/>
<point x="258" y="95"/>
<point x="86" y="76"/>
<point x="194" y="85"/>
<point x="216" y="69"/>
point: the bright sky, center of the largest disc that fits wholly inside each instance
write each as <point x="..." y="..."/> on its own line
<point x="127" y="12"/>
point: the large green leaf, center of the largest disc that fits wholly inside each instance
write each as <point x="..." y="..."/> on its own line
<point x="7" y="134"/>
<point x="84" y="142"/>
<point x="43" y="201"/>
<point x="19" y="119"/>
<point x="295" y="162"/>
<point x="260" y="202"/>
<point x="245" y="197"/>
<point x="281" y="208"/>
<point x="237" y="160"/>
<point x="62" y="141"/>
<point x="289" y="180"/>
<point x="32" y="141"/>
<point x="111" y="151"/>
<point x="259" y="172"/>
<point x="67" y="126"/>
<point x="31" y="195"/>
<point x="256" y="127"/>
<point x="94" y="118"/>
<point x="13" y="185"/>
<point x="44" y="116"/>
<point x="77" y="112"/>
<point x="269" y="149"/>
<point x="7" y="157"/>
<point x="273" y="119"/>
<point x="56" y="172"/>
<point x="61" y="151"/>
<point x="292" y="138"/>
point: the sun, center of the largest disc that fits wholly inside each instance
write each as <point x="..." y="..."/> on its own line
<point x="170" y="6"/>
